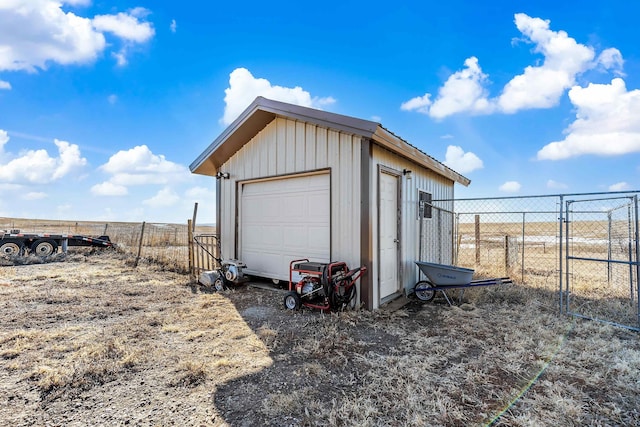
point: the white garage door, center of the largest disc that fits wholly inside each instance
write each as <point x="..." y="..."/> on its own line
<point x="283" y="220"/>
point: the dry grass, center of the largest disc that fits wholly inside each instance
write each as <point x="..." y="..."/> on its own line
<point x="91" y="341"/>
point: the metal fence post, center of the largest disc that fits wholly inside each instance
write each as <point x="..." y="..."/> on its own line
<point x="477" y="239"/>
<point x="635" y="202"/>
<point x="523" y="236"/>
<point x="560" y="253"/>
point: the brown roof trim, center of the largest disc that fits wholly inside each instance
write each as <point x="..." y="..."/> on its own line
<point x="258" y="115"/>
<point x="398" y="145"/>
<point x="263" y="111"/>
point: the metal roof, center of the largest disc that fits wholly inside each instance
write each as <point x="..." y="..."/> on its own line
<point x="262" y="111"/>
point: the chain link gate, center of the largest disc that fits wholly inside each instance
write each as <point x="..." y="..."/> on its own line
<point x="601" y="260"/>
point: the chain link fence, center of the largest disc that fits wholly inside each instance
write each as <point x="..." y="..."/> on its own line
<point x="512" y="236"/>
<point x="579" y="251"/>
<point x="601" y="266"/>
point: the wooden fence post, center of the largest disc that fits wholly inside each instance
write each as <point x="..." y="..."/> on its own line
<point x="192" y="267"/>
<point x="135" y="265"/>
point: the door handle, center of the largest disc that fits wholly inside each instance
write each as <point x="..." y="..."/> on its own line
<point x="396" y="240"/>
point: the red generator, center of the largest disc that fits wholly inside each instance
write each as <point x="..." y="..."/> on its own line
<point x="322" y="286"/>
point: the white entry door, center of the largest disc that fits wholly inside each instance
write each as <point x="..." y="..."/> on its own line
<point x="389" y="243"/>
<point x="282" y="220"/>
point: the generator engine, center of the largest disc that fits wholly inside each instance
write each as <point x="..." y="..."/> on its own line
<point x="234" y="270"/>
<point x="309" y="287"/>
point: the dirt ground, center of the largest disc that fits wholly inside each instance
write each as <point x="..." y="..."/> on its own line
<point x="87" y="339"/>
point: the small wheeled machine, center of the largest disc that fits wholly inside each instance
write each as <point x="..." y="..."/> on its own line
<point x="442" y="277"/>
<point x="228" y="272"/>
<point x="322" y="286"/>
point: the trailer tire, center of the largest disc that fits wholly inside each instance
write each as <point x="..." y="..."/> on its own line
<point x="292" y="301"/>
<point x="424" y="291"/>
<point x="44" y="247"/>
<point x="11" y="248"/>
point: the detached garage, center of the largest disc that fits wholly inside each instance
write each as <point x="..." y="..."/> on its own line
<point x="294" y="182"/>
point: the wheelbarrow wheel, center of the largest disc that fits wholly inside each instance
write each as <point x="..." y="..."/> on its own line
<point x="292" y="301"/>
<point x="424" y="291"/>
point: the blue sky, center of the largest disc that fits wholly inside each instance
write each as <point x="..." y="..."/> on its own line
<point x="103" y="105"/>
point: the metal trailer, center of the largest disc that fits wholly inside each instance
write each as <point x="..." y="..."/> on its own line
<point x="443" y="278"/>
<point x="15" y="243"/>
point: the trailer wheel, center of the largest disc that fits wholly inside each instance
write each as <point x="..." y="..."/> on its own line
<point x="219" y="285"/>
<point x="11" y="248"/>
<point x="424" y="291"/>
<point x="44" y="247"/>
<point x="292" y="301"/>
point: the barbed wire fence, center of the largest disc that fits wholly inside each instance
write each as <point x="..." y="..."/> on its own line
<point x="162" y="243"/>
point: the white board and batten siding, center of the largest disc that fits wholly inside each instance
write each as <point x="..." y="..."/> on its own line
<point x="421" y="179"/>
<point x="286" y="150"/>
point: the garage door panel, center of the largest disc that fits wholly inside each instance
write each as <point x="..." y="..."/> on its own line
<point x="282" y="220"/>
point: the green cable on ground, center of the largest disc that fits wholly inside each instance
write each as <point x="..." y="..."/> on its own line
<point x="534" y="379"/>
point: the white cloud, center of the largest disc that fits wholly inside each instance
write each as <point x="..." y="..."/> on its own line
<point x="140" y="160"/>
<point x="539" y="86"/>
<point x="120" y="57"/>
<point x="199" y="193"/>
<point x="607" y="123"/>
<point x="109" y="189"/>
<point x="420" y="104"/>
<point x="112" y="99"/>
<point x="460" y="161"/>
<point x="77" y="2"/>
<point x="447" y="136"/>
<point x="70" y="159"/>
<point x="5" y="85"/>
<point x="510" y="187"/>
<point x="244" y="88"/>
<point x="34" y="195"/>
<point x="173" y="26"/>
<point x="463" y="91"/>
<point x="542" y="86"/>
<point x="37" y="167"/>
<point x="139" y="166"/>
<point x="620" y="186"/>
<point x="554" y="185"/>
<point x="38" y="32"/>
<point x="4" y="138"/>
<point x="125" y="26"/>
<point x="611" y="59"/>
<point x="166" y="197"/>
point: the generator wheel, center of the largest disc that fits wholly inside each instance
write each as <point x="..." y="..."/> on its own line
<point x="11" y="248"/>
<point x="219" y="285"/>
<point x="44" y="247"/>
<point x="292" y="301"/>
<point x="424" y="291"/>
